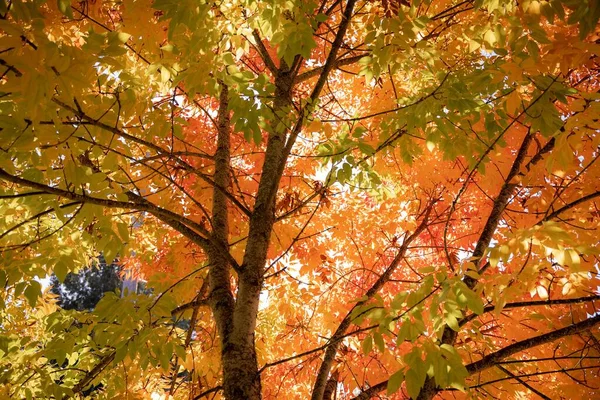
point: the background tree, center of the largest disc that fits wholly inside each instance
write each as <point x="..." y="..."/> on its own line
<point x="84" y="289"/>
<point x="351" y="198"/>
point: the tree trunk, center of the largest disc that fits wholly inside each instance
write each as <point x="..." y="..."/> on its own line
<point x="241" y="379"/>
<point x="240" y="371"/>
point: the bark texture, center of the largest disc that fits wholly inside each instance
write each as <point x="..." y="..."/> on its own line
<point x="240" y="380"/>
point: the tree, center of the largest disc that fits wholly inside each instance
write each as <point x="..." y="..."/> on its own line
<point x="346" y="199"/>
<point x="84" y="289"/>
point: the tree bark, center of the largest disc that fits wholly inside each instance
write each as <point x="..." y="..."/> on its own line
<point x="237" y="382"/>
<point x="241" y="378"/>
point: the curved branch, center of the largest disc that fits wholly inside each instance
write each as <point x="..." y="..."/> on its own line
<point x="36" y="216"/>
<point x="519" y="304"/>
<point x="184" y="225"/>
<point x="330" y="353"/>
<point x="116" y="131"/>
<point x="318" y="70"/>
<point x="372" y="391"/>
<point x="207" y="392"/>
<point x="192" y="304"/>
<point x="484" y="236"/>
<point x="568" y="206"/>
<point x="396" y="109"/>
<point x="522" y="382"/>
<point x="91" y="375"/>
<point x="19" y="195"/>
<point x="264" y="53"/>
<point x="493" y="359"/>
<point x="558" y="371"/>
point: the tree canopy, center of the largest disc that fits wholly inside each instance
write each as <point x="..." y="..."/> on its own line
<point x="346" y="199"/>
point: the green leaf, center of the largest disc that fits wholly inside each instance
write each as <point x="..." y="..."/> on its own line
<point x="123" y="229"/>
<point x="228" y="59"/>
<point x="367" y="345"/>
<point x="19" y="287"/>
<point x="452" y="322"/>
<point x="321" y="17"/>
<point x="110" y="246"/>
<point x="366" y="149"/>
<point x="395" y="382"/>
<point x="414" y="382"/>
<point x="398" y="300"/>
<point x="379" y="341"/>
<point x="475" y="304"/>
<point x="61" y="269"/>
<point x="64" y="6"/>
<point x="533" y="49"/>
<point x="180" y="351"/>
<point x="32" y="292"/>
<point x="404" y="332"/>
<point x="467" y="297"/>
<point x="165" y="74"/>
<point x="457" y="373"/>
<point x="120" y="354"/>
<point x="490" y="37"/>
<point x="257" y="135"/>
<point x="473" y="45"/>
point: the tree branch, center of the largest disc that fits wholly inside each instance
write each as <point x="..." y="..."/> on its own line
<point x="91" y="375"/>
<point x="519" y="304"/>
<point x="334" y="342"/>
<point x="492" y="359"/>
<point x="192" y="304"/>
<point x="568" y="206"/>
<point x="19" y="195"/>
<point x="564" y="371"/>
<point x="207" y="392"/>
<point x="548" y="147"/>
<point x="496" y="358"/>
<point x="264" y="53"/>
<point x="221" y="296"/>
<point x="372" y="391"/>
<point x="36" y="216"/>
<point x="187" y="167"/>
<point x="185" y="226"/>
<point x="500" y="201"/>
<point x="327" y="67"/>
<point x="319" y="70"/>
<point x="522" y="382"/>
<point x="395" y="109"/>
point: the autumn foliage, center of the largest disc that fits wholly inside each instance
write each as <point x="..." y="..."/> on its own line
<point x="336" y="199"/>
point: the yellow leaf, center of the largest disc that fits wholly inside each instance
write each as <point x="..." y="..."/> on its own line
<point x="567" y="288"/>
<point x="534" y="7"/>
<point x="571" y="258"/>
<point x="164" y="74"/>
<point x="577" y="105"/>
<point x="123" y="37"/>
<point x="473" y="45"/>
<point x="490" y="37"/>
<point x="513" y="101"/>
